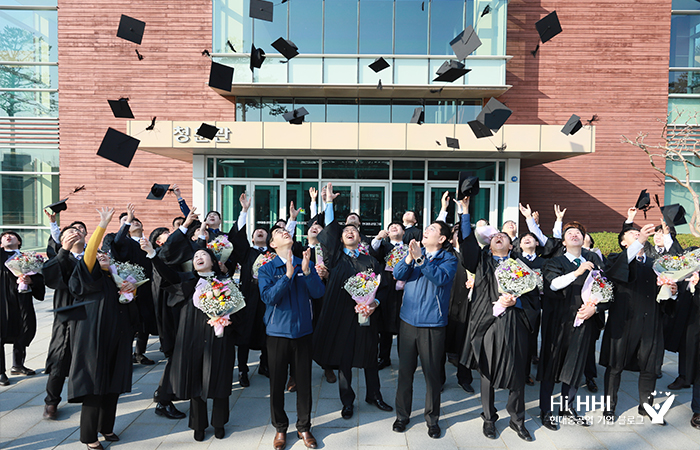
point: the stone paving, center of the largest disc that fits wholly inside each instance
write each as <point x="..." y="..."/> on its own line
<point x="22" y="426"/>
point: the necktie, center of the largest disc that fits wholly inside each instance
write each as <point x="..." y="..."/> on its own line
<point x="640" y="259"/>
<point x="352" y="253"/>
<point x="530" y="257"/>
<point x="577" y="262"/>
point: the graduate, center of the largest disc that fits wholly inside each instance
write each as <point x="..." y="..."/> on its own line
<point x="693" y="361"/>
<point x="410" y="223"/>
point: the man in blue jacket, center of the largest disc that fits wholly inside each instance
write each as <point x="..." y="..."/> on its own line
<point x="428" y="273"/>
<point x="287" y="285"/>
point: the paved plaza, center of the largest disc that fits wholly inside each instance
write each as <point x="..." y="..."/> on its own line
<point x="22" y="426"/>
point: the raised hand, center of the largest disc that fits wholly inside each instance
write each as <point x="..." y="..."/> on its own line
<point x="305" y="262"/>
<point x="70" y="240"/>
<point x="146" y="246"/>
<point x="324" y="190"/>
<point x="313" y="193"/>
<point x="51" y="216"/>
<point x="465" y="205"/>
<point x="646" y="231"/>
<point x="536" y="217"/>
<point x="105" y="216"/>
<point x="130" y="212"/>
<point x="559" y="213"/>
<point x="526" y="211"/>
<point x="383" y="234"/>
<point x="191" y="217"/>
<point x="330" y="196"/>
<point x="631" y="213"/>
<point x="176" y="191"/>
<point x="245" y="201"/>
<point x="293" y="213"/>
<point x="445" y="201"/>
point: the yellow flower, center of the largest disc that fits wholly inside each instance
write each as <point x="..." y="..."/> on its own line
<point x="223" y="303"/>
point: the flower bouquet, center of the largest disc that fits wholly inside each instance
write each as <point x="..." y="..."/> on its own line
<point x="125" y="271"/>
<point x="261" y="261"/>
<point x="319" y="255"/>
<point x="218" y="300"/>
<point x="398" y="253"/>
<point x="363" y="248"/>
<point x="25" y="263"/>
<point x="596" y="289"/>
<point x="672" y="269"/>
<point x="540" y="280"/>
<point x="362" y="288"/>
<point x="514" y="279"/>
<point x="221" y="247"/>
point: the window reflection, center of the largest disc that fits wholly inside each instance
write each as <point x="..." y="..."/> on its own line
<point x="315" y="106"/>
<point x="375" y="110"/>
<point x="306" y="25"/>
<point x="28" y="36"/>
<point x="341" y="36"/>
<point x="446" y="22"/>
<point x="273" y="109"/>
<point x="342" y="110"/>
<point x="685" y="41"/>
<point x="265" y="33"/>
<point x="440" y="111"/>
<point x="376" y="26"/>
<point x="411" y="33"/>
<point x="402" y="110"/>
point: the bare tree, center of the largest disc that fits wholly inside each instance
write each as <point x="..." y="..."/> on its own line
<point x="679" y="143"/>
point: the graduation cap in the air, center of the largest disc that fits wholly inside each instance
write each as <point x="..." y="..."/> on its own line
<point x="673" y="214"/>
<point x="158" y="191"/>
<point x="452" y="142"/>
<point x="379" y="64"/>
<point x="468" y="185"/>
<point x="296" y="117"/>
<point x="465" y="43"/>
<point x="644" y="202"/>
<point x="207" y="131"/>
<point x="76" y="311"/>
<point x="572" y="125"/>
<point x="121" y="109"/>
<point x="450" y="71"/>
<point x="221" y="76"/>
<point x="286" y="48"/>
<point x="118" y="147"/>
<point x="58" y="206"/>
<point x="480" y="130"/>
<point x="418" y="116"/>
<point x="261" y="9"/>
<point x="257" y="56"/>
<point x="494" y="114"/>
<point x="548" y="26"/>
<point x="131" y="29"/>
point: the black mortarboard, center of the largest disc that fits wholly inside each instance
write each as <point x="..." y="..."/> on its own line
<point x="418" y="116"/>
<point x="261" y="9"/>
<point x="76" y="311"/>
<point x="58" y="206"/>
<point x="572" y="125"/>
<point x="257" y="56"/>
<point x="673" y="214"/>
<point x="465" y="43"/>
<point x="379" y="64"/>
<point x="221" y="76"/>
<point x="468" y="185"/>
<point x="295" y="117"/>
<point x="121" y="109"/>
<point x="158" y="191"/>
<point x="207" y="131"/>
<point x="644" y="200"/>
<point x="118" y="147"/>
<point x="452" y="142"/>
<point x="319" y="218"/>
<point x="131" y="29"/>
<point x="494" y="114"/>
<point x="480" y="130"/>
<point x="286" y="48"/>
<point x="450" y="71"/>
<point x="548" y="26"/>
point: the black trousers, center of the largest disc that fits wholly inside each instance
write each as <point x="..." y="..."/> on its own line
<point x="568" y="394"/>
<point x="282" y="352"/>
<point x="244" y="353"/>
<point x="385" y="342"/>
<point x="97" y="415"/>
<point x="347" y="394"/>
<point x="532" y="342"/>
<point x="54" y="386"/>
<point x="141" y="341"/>
<point x="19" y="353"/>
<point x="647" y="385"/>
<point x="198" y="413"/>
<point x="428" y="343"/>
<point x="464" y="374"/>
<point x="515" y="404"/>
<point x="682" y="358"/>
<point x="590" y="369"/>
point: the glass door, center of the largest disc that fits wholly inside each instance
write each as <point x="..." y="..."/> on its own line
<point x="372" y="208"/>
<point x="266" y="207"/>
<point x="480" y="207"/>
<point x="230" y="206"/>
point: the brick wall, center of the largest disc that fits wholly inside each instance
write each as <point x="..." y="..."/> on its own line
<point x="169" y="83"/>
<point x="611" y="60"/>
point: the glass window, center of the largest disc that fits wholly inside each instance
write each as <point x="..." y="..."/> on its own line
<point x="29" y="104"/>
<point x="685" y="5"/>
<point x="315" y="106"/>
<point x="298" y="192"/>
<point x="685" y="41"/>
<point x="446" y="22"/>
<point x="411" y="35"/>
<point x="355" y="169"/>
<point x="32" y="77"/>
<point x="683" y="110"/>
<point x="407" y="197"/>
<point x="210" y="167"/>
<point x="28" y="36"/>
<point x="375" y="110"/>
<point x="675" y="193"/>
<point x="467" y="110"/>
<point x="402" y="110"/>
<point x="265" y="33"/>
<point x="24" y="197"/>
<point x="372" y="209"/>
<point x="26" y="160"/>
<point x="230" y="206"/>
<point x="306" y="25"/>
<point x="340" y="30"/>
<point x="376" y="23"/>
<point x="248" y="109"/>
<point x="210" y="198"/>
<point x="440" y="111"/>
<point x="342" y="110"/>
<point x="302" y="168"/>
<point x="677" y="169"/>
<point x="501" y="171"/>
<point x="231" y="22"/>
<point x="250" y="168"/>
<point x="272" y="109"/>
<point x="683" y="82"/>
<point x="449" y="170"/>
<point x="409" y="170"/>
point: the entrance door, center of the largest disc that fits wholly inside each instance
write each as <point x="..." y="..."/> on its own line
<point x="369" y="200"/>
<point x="267" y="205"/>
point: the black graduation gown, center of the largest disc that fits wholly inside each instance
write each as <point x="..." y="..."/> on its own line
<point x="458" y="313"/>
<point x="565" y="347"/>
<point x="675" y="325"/>
<point x="201" y="364"/>
<point x="101" y="344"/>
<point x="338" y="331"/>
<point x="17" y="315"/>
<point x="124" y="248"/>
<point x="495" y="346"/>
<point x="412" y="233"/>
<point x="57" y="272"/>
<point x="391" y="306"/>
<point x="633" y="337"/>
<point x="693" y="340"/>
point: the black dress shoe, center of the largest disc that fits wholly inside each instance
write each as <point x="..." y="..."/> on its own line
<point x="489" y="430"/>
<point x="170" y="411"/>
<point x="21" y="370"/>
<point x="384" y="362"/>
<point x="572" y="416"/>
<point x="521" y="431"/>
<point x="155" y="395"/>
<point x="97" y="447"/>
<point x="379" y="403"/>
<point x="679" y="383"/>
<point x="529" y="381"/>
<point x="143" y="360"/>
<point x="50" y="412"/>
<point x="243" y="379"/>
<point x="111" y="437"/>
<point x="4" y="381"/>
<point x="434" y="431"/>
<point x="695" y="421"/>
<point x="467" y="387"/>
<point x="330" y="376"/>
<point x="590" y="385"/>
<point x="219" y="432"/>
<point x="548" y="421"/>
<point x="399" y="426"/>
<point x="199" y="435"/>
<point x="264" y="371"/>
<point x="609" y="416"/>
<point x="346" y="412"/>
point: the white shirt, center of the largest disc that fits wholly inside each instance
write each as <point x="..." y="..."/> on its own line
<point x="563" y="281"/>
